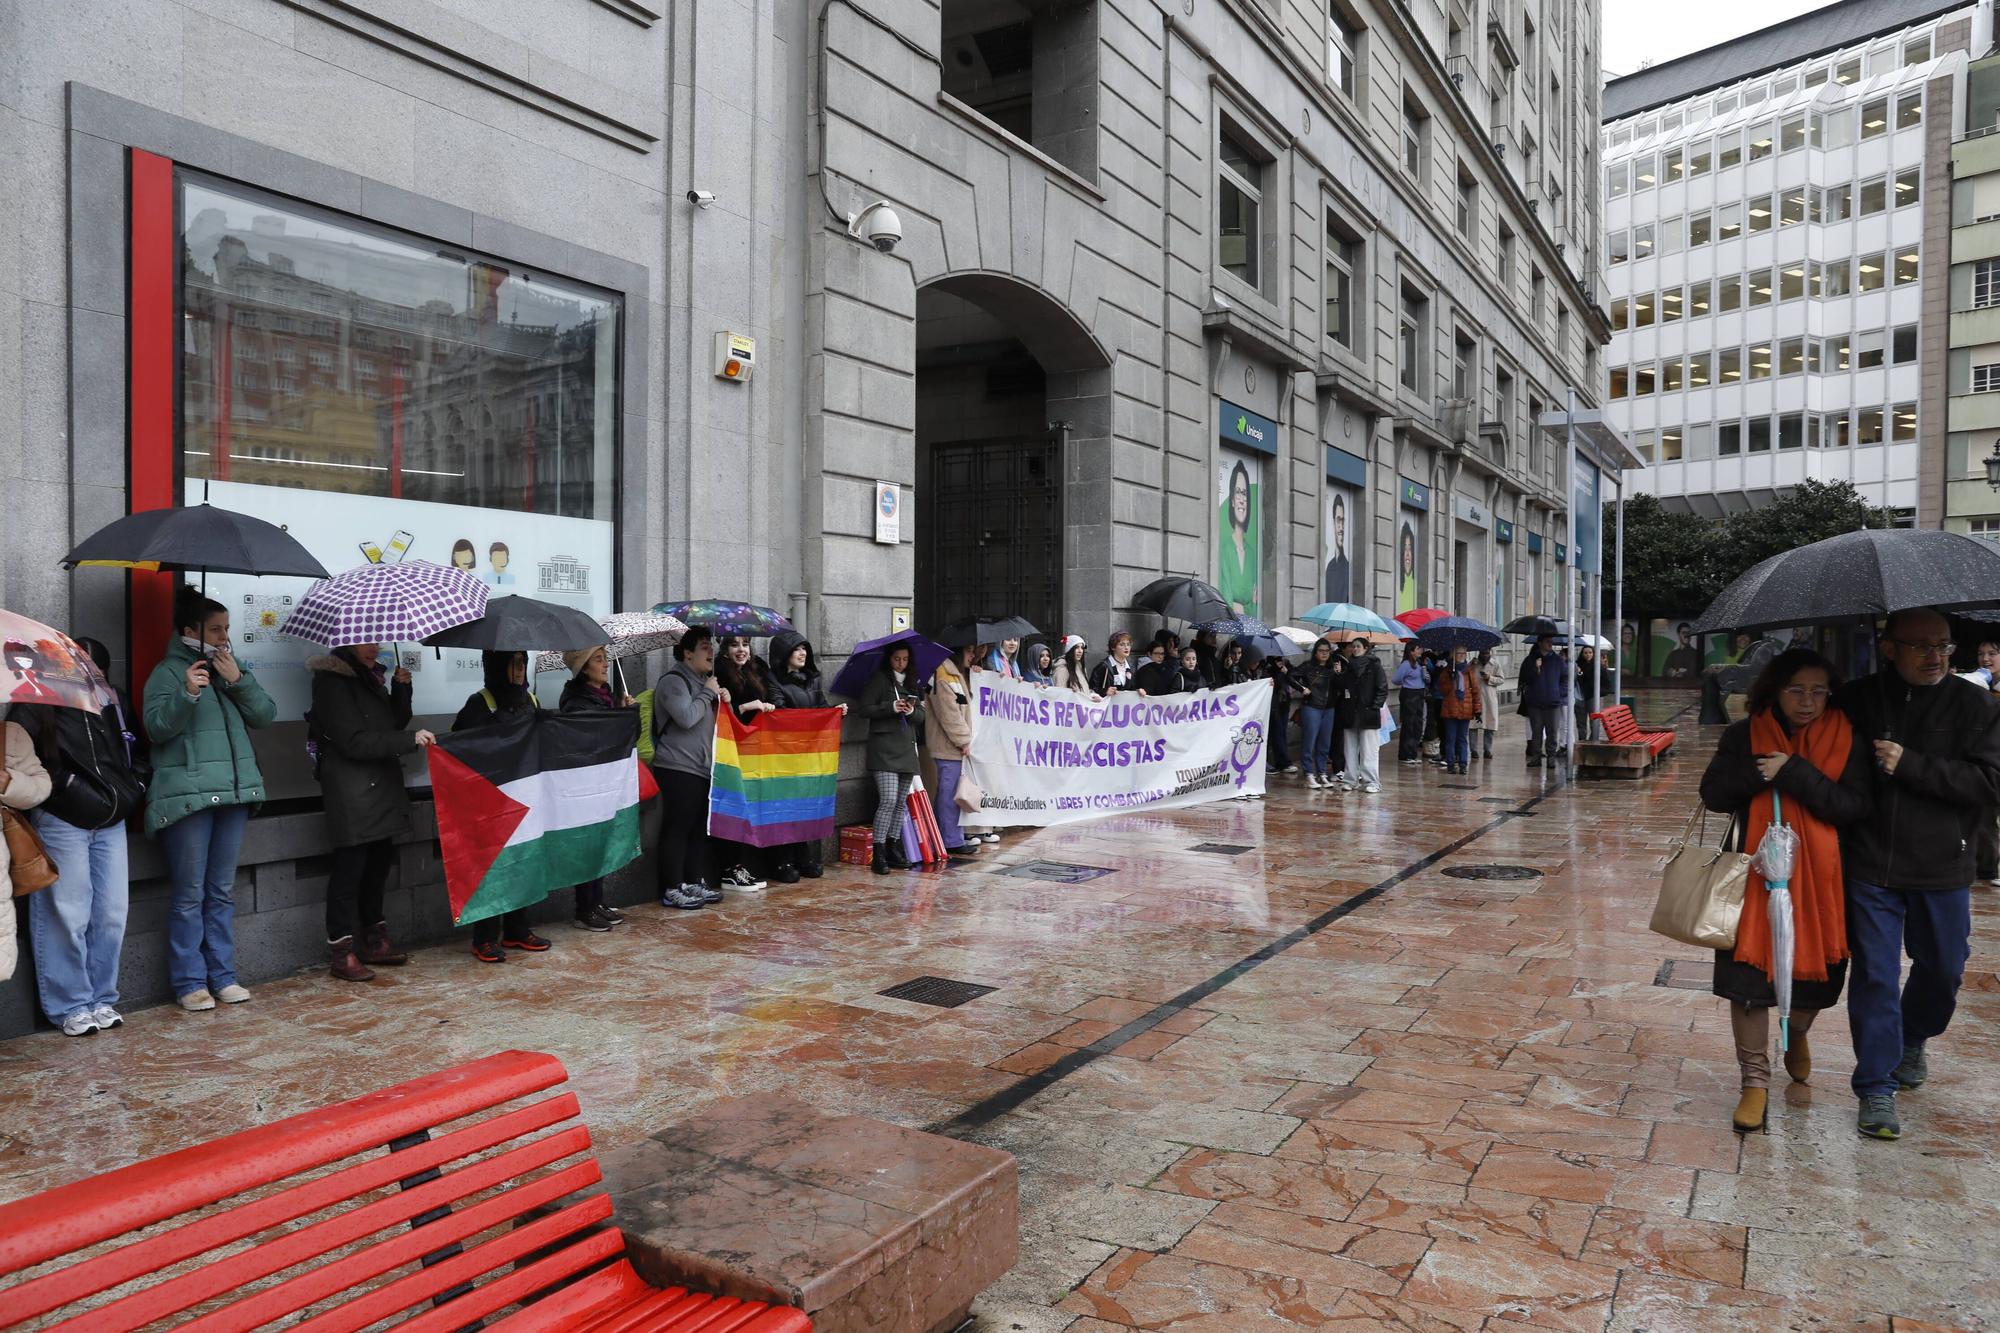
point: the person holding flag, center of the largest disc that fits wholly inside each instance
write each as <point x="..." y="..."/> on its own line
<point x="589" y="690"/>
<point x="504" y="696"/>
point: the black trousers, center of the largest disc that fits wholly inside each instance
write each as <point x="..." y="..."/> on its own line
<point x="507" y="926"/>
<point x="1986" y="847"/>
<point x="354" y="885"/>
<point x="589" y="897"/>
<point x="685" y="855"/>
<point x="1410" y="732"/>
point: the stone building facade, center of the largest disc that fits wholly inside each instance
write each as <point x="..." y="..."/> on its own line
<point x="1269" y="291"/>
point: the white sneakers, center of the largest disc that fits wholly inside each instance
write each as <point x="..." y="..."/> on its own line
<point x="80" y="1024"/>
<point x="197" y="1001"/>
<point x="1373" y="789"/>
<point x="107" y="1018"/>
<point x="232" y="994"/>
<point x="1312" y="781"/>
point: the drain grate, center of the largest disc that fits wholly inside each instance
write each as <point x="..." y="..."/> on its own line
<point x="940" y="991"/>
<point x="1223" y="848"/>
<point x="1497" y="800"/>
<point x="1457" y="786"/>
<point x="1685" y="973"/>
<point x="1056" y="872"/>
<point x="1493" y="872"/>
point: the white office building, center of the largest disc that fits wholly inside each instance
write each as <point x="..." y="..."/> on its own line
<point x="1777" y="235"/>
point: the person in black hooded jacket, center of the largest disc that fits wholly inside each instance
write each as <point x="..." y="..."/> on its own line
<point x="504" y="696"/>
<point x="795" y="683"/>
<point x="589" y="687"/>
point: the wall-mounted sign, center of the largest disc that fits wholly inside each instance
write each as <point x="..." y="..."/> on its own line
<point x="1414" y="494"/>
<point x="1471" y="511"/>
<point x="1243" y="427"/>
<point x="1503" y="531"/>
<point x="1535" y="542"/>
<point x="1345" y="468"/>
<point x="888" y="512"/>
<point x="1562" y="554"/>
<point x="899" y="619"/>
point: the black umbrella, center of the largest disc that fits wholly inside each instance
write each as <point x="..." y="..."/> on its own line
<point x="523" y="625"/>
<point x="1179" y="597"/>
<point x="196" y="537"/>
<point x="983" y="629"/>
<point x="1860" y="575"/>
<point x="1536" y="626"/>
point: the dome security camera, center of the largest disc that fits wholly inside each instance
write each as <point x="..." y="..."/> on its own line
<point x="878" y="225"/>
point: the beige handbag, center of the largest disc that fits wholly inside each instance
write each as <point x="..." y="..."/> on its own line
<point x="1701" y="892"/>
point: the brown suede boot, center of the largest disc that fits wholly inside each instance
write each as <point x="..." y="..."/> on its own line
<point x="344" y="964"/>
<point x="376" y="948"/>
<point x="1798" y="1058"/>
<point x="1751" y="1110"/>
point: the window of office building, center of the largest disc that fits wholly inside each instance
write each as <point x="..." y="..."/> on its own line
<point x="1903" y="422"/>
<point x="1643" y="172"/>
<point x="1642" y="241"/>
<point x="1872" y="276"/>
<point x="1343" y="268"/>
<point x="1875" y="118"/>
<point x="1620" y="382"/>
<point x="1986" y="378"/>
<point x="1728" y="439"/>
<point x="1836" y="277"/>
<point x="1239" y="204"/>
<point x="1838" y="353"/>
<point x="1869" y="349"/>
<point x="1791" y="430"/>
<point x="1728" y="221"/>
<point x="1792" y="281"/>
<point x="1906" y="267"/>
<point x="1642" y="310"/>
<point x="1670" y="305"/>
<point x="1761" y="138"/>
<point x="1758" y="435"/>
<point x="1672" y="231"/>
<point x="1728" y="150"/>
<point x="1908" y="186"/>
<point x="1985" y="283"/>
<point x="1030" y="69"/>
<point x="1343" y="50"/>
<point x="1848" y="71"/>
<point x="1617" y="246"/>
<point x="1792" y="206"/>
<point x="1416" y="139"/>
<point x="1792" y="356"/>
<point x="434" y="404"/>
<point x="1909" y="110"/>
<point x="1792" y="134"/>
<point x="1839" y="202"/>
<point x="1759" y="284"/>
<point x="1466" y="207"/>
<point x="1617" y="180"/>
<point x="1701" y="229"/>
<point x="1698" y="160"/>
<point x="1868" y="425"/>
<point x="1759" y="209"/>
<point x="1507" y="248"/>
<point x="1874" y="196"/>
<point x="1621" y="314"/>
<point x="1836" y="430"/>
<point x="1643" y="380"/>
<point x="1464" y="365"/>
<point x="1728" y="292"/>
<point x="1698" y="298"/>
<point x="1670" y="444"/>
<point x="1673" y="165"/>
<point x="1759" y="359"/>
<point x="1729" y="365"/>
<point x="1903" y="345"/>
<point x="1917" y="50"/>
<point x="1413" y="339"/>
<point x="1697" y="370"/>
<point x="1538" y="296"/>
<point x="1671" y="371"/>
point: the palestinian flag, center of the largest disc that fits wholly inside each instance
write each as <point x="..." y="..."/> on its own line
<point x="773" y="780"/>
<point x="533" y="804"/>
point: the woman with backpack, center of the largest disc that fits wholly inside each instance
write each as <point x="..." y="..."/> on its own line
<point x="361" y="719"/>
<point x="77" y="925"/>
<point x="504" y="697"/>
<point x="201" y="706"/>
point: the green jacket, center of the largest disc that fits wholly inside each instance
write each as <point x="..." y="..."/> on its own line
<point x="202" y="757"/>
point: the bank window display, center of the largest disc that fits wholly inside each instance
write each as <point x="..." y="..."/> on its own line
<point x="1238" y="557"/>
<point x="388" y="400"/>
<point x="1338" y="584"/>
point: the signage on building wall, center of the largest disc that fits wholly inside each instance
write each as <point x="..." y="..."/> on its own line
<point x="1471" y="511"/>
<point x="899" y="619"/>
<point x="1535" y="543"/>
<point x="888" y="513"/>
<point x="1345" y="468"/>
<point x="1503" y="531"/>
<point x="1414" y="494"/>
<point x="1242" y="426"/>
<point x="1562" y="554"/>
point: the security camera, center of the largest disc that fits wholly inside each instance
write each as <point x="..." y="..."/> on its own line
<point x="701" y="198"/>
<point x="878" y="225"/>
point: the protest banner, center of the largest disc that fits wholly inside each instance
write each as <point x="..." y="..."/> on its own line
<point x="1048" y="756"/>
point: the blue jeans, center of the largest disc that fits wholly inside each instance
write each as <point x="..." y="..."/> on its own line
<point x="77" y="924"/>
<point x="1457" y="740"/>
<point x="944" y="803"/>
<point x="1318" y="741"/>
<point x="1936" y="927"/>
<point x="201" y="929"/>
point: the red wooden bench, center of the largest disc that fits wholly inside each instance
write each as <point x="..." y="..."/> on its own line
<point x="412" y="1205"/>
<point x="1625" y="751"/>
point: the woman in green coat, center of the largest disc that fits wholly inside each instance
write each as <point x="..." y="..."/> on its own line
<point x="200" y="706"/>
<point x="893" y="703"/>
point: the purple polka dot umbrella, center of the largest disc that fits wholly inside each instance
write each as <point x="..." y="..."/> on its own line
<point x="386" y="604"/>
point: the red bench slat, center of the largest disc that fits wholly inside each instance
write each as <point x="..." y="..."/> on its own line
<point x="554" y="1310"/>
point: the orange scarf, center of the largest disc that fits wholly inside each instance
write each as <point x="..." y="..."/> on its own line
<point x="1819" y="904"/>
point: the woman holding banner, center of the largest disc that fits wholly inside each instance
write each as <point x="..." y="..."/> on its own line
<point x="1115" y="672"/>
<point x="589" y="687"/>
<point x="795" y="683"/>
<point x="505" y="695"/>
<point x="751" y="692"/>
<point x="895" y="711"/>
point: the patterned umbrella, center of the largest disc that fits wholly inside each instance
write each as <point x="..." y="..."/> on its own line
<point x="757" y="622"/>
<point x="1345" y="617"/>
<point x="1861" y="574"/>
<point x="1444" y="633"/>
<point x="1257" y="638"/>
<point x="41" y="665"/>
<point x="628" y="634"/>
<point x="386" y="604"/>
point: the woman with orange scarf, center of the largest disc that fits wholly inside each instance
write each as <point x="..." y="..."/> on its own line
<point x="1796" y="744"/>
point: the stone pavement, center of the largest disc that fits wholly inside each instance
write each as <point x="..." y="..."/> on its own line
<point x="1319" y="1083"/>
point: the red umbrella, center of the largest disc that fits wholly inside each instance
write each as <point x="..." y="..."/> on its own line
<point x="40" y="665"/>
<point x="1422" y="616"/>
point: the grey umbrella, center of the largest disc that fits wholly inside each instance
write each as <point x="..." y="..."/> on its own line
<point x="1859" y="575"/>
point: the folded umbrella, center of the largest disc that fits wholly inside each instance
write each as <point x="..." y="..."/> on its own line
<point x="1859" y="575"/>
<point x="1346" y="617"/>
<point x="1444" y="633"/>
<point x="1775" y="854"/>
<point x="624" y="634"/>
<point x="1179" y="597"/>
<point x="725" y="617"/>
<point x="42" y="665"/>
<point x="196" y="537"/>
<point x="866" y="660"/>
<point x="522" y="625"/>
<point x="387" y="604"/>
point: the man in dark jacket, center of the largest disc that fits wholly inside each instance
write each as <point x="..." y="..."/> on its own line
<point x="1909" y="867"/>
<point x="1544" y="688"/>
<point x="1358" y="715"/>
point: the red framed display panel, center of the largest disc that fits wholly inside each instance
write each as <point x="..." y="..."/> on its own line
<point x="149" y="391"/>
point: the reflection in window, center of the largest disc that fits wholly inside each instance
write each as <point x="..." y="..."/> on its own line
<point x="1875" y="118"/>
<point x="1239" y="192"/>
<point x="1906" y="267"/>
<point x="401" y="370"/>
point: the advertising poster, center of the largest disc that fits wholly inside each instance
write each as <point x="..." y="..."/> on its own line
<point x="1052" y="757"/>
<point x="1337" y="525"/>
<point x="1589" y="520"/>
<point x="1676" y="654"/>
<point x="1500" y="616"/>
<point x="1409" y="565"/>
<point x="1238" y="558"/>
<point x="563" y="560"/>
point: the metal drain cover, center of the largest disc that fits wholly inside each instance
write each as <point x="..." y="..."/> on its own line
<point x="940" y="991"/>
<point x="1223" y="848"/>
<point x="1056" y="872"/>
<point x="1457" y="786"/>
<point x="1493" y="872"/>
<point x="1497" y="800"/>
<point x="1685" y="973"/>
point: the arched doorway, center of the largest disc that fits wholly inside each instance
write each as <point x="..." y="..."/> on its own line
<point x="1011" y="402"/>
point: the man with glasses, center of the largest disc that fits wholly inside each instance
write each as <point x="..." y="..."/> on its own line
<point x="1909" y="866"/>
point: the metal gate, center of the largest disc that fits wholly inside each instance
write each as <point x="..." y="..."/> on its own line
<point x="990" y="531"/>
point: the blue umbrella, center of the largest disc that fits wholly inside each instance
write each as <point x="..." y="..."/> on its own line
<point x="1255" y="636"/>
<point x="1346" y="617"/>
<point x="867" y="658"/>
<point x="1449" y="632"/>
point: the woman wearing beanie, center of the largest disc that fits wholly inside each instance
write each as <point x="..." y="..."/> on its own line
<point x="1070" y="672"/>
<point x="685" y="701"/>
<point x="504" y="696"/>
<point x="589" y="688"/>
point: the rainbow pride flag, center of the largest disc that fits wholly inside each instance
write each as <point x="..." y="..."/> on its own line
<point x="773" y="779"/>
